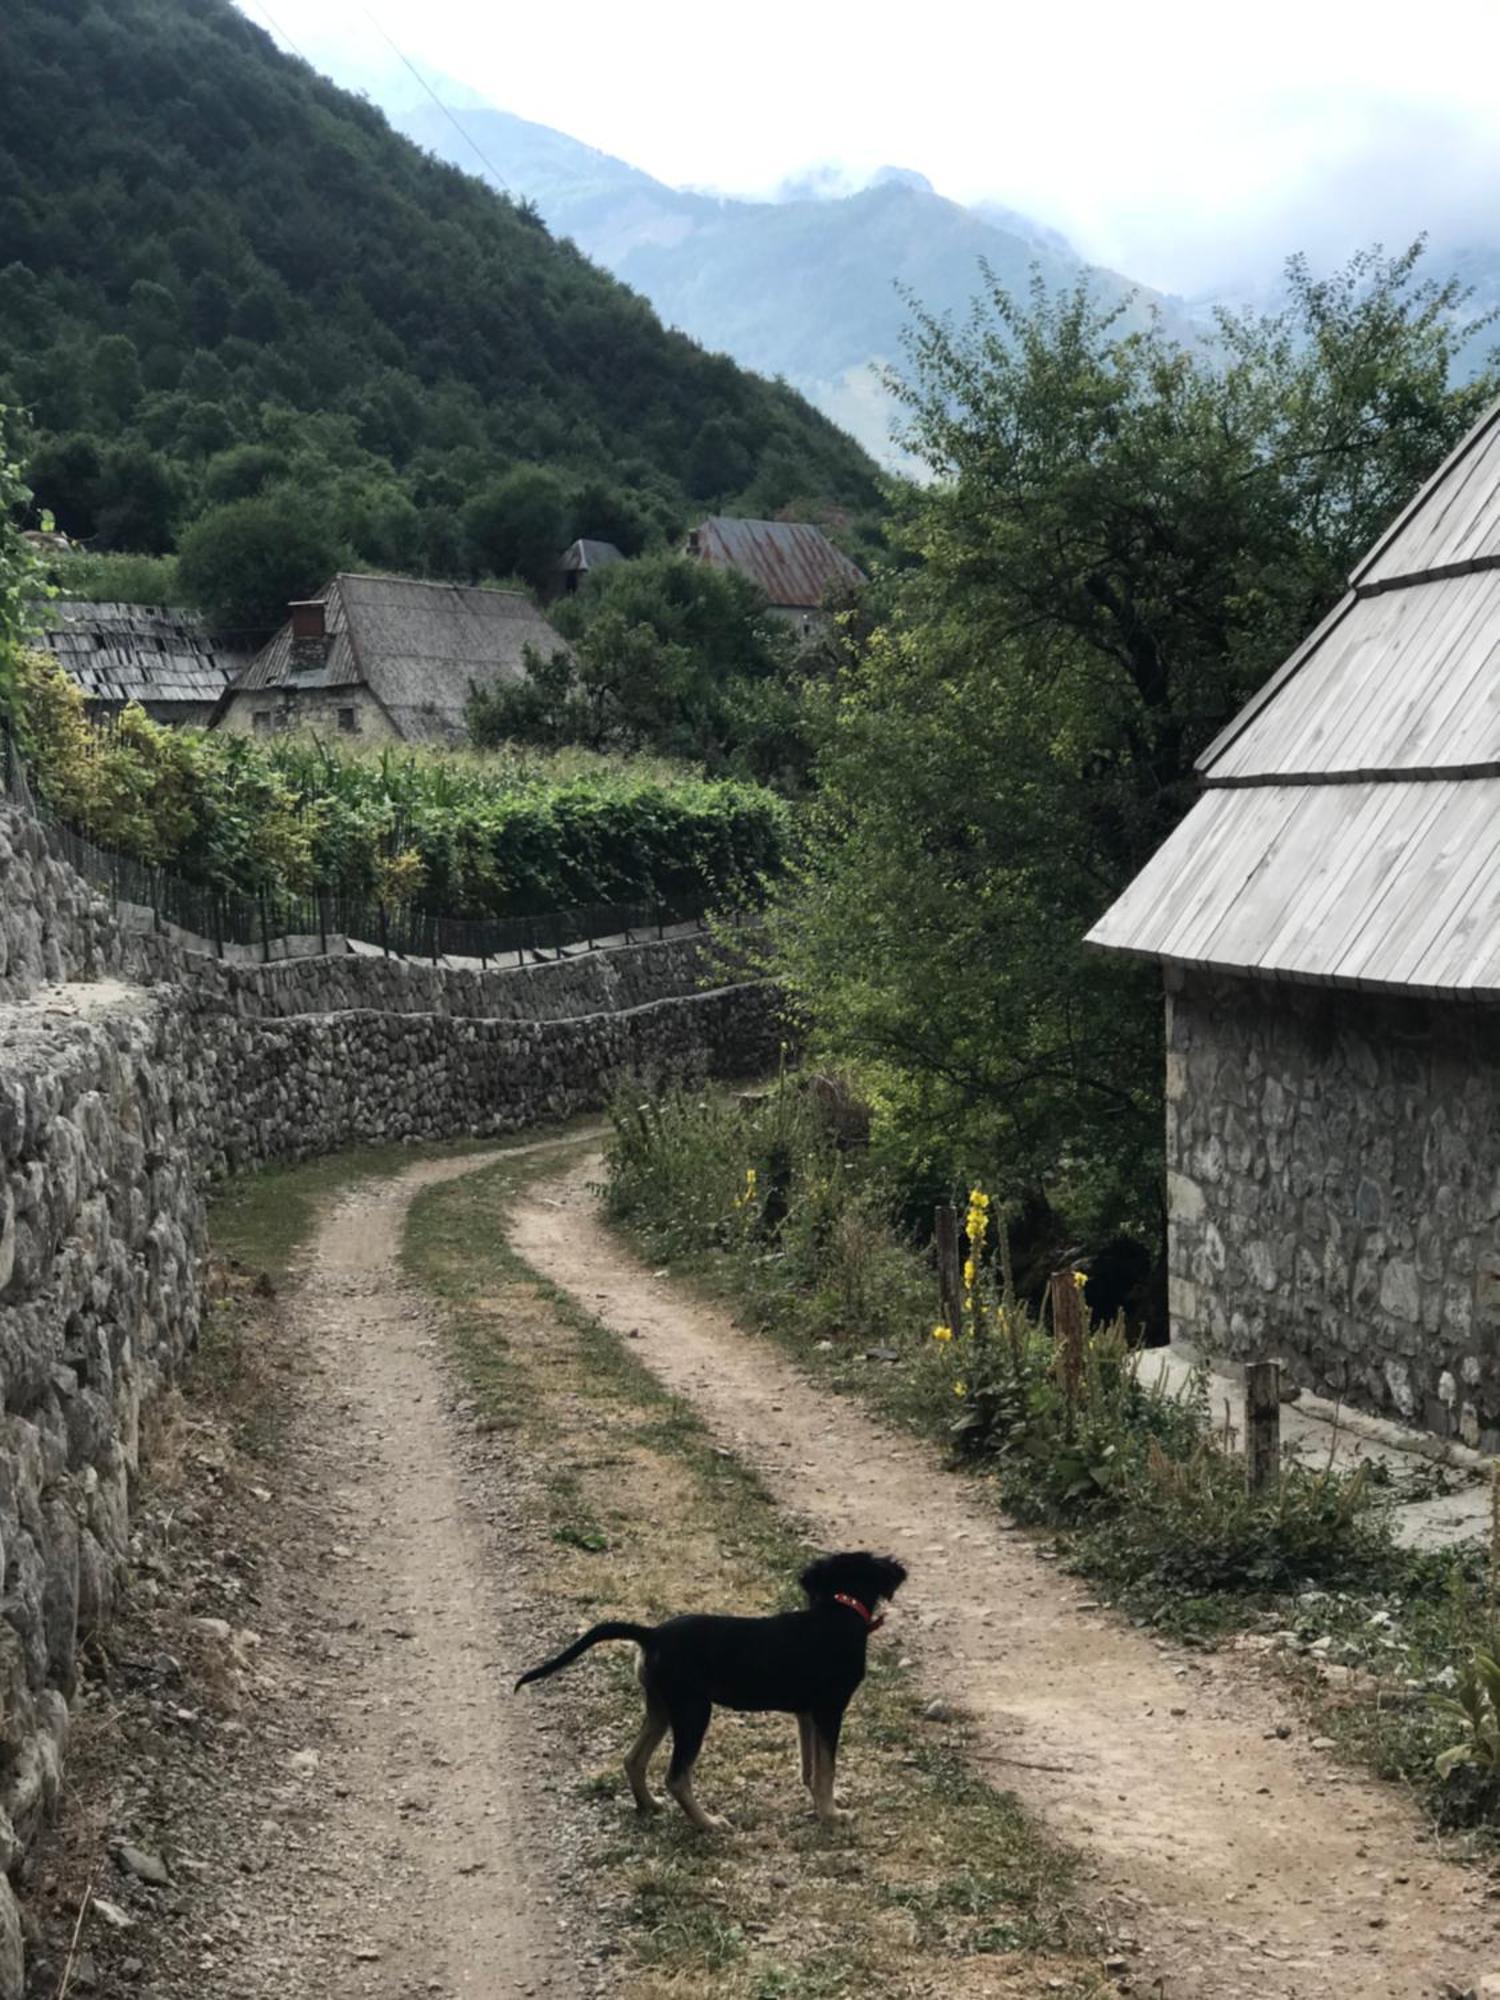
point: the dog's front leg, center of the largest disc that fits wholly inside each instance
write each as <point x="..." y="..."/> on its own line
<point x="825" y="1739"/>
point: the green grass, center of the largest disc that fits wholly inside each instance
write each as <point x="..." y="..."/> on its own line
<point x="266" y="1218"/>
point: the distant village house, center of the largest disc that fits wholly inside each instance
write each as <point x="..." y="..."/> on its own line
<point x="792" y="562"/>
<point x="577" y="563"/>
<point x="1328" y="921"/>
<point x="166" y="660"/>
<point x="386" y="658"/>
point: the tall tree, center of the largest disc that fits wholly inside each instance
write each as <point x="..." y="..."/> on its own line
<point x="1122" y="538"/>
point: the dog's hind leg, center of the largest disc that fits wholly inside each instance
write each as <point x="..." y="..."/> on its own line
<point x="638" y="1758"/>
<point x="826" y="1725"/>
<point x="805" y="1738"/>
<point x="689" y="1727"/>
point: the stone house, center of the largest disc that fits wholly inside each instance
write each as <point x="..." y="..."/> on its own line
<point x="1328" y="921"/>
<point x="166" y="660"/>
<point x="386" y="658"/>
<point x="792" y="563"/>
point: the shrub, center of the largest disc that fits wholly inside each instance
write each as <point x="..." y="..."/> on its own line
<point x="802" y="1232"/>
<point x="117" y="579"/>
<point x="462" y="836"/>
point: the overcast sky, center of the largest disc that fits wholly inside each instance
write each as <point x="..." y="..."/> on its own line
<point x="1185" y="143"/>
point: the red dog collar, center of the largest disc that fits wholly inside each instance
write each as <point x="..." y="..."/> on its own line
<point x="874" y="1623"/>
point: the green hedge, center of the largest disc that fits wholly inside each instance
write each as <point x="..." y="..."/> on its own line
<point x="461" y="835"/>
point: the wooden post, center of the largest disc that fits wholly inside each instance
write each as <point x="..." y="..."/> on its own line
<point x="1067" y="1329"/>
<point x="1262" y="1424"/>
<point x="950" y="1266"/>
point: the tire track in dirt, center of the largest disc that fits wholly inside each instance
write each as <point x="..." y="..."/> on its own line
<point x="443" y="1881"/>
<point x="1245" y="1863"/>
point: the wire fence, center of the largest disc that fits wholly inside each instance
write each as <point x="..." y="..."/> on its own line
<point x="258" y="924"/>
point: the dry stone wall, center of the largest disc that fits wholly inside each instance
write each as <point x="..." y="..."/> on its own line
<point x="1334" y="1192"/>
<point x="120" y="1102"/>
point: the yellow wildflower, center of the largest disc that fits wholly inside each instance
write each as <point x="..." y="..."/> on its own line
<point x="942" y="1333"/>
<point x="960" y="1388"/>
<point x="1080" y="1279"/>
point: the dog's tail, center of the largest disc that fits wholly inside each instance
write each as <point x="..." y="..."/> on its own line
<point x="613" y="1628"/>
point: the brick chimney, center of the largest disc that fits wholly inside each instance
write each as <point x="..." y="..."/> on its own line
<point x="307" y="618"/>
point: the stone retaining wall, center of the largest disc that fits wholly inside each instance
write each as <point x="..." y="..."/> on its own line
<point x="118" y="1106"/>
<point x="1334" y="1192"/>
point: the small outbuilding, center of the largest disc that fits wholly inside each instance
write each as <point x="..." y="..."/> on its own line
<point x="1328" y="921"/>
<point x="792" y="563"/>
<point x="387" y="658"/>
<point x="578" y="562"/>
<point x="165" y="660"/>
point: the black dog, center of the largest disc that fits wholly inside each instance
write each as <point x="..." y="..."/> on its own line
<point x="802" y="1663"/>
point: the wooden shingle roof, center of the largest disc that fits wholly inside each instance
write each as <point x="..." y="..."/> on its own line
<point x="418" y="647"/>
<point x="1349" y="829"/>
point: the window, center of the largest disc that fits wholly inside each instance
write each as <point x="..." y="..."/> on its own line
<point x="349" y="721"/>
<point x="263" y="719"/>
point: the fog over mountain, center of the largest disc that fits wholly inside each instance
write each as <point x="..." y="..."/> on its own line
<point x="811" y="279"/>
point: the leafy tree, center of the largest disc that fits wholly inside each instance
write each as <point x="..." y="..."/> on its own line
<point x="210" y="306"/>
<point x="243" y="563"/>
<point x="20" y="582"/>
<point x="1122" y="538"/>
<point x="520" y="525"/>
<point x="65" y="479"/>
<point x="137" y="501"/>
<point x="115" y="374"/>
<point x="667" y="655"/>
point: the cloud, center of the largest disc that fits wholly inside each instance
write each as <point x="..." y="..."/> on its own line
<point x="1188" y="145"/>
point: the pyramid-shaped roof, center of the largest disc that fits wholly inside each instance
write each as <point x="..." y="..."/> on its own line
<point x="1349" y="828"/>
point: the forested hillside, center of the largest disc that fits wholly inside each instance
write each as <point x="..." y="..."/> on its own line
<point x="221" y="278"/>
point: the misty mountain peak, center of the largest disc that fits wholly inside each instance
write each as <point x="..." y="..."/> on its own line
<point x="902" y="177"/>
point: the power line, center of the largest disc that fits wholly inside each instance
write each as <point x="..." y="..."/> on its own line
<point x="400" y="55"/>
<point x="468" y="140"/>
<point x="277" y="29"/>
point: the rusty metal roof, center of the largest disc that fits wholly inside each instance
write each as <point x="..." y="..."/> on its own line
<point x="150" y="653"/>
<point x="793" y="562"/>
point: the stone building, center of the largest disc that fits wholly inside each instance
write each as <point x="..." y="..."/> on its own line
<point x="1328" y="921"/>
<point x="386" y="658"/>
<point x="792" y="563"/>
<point x="162" y="658"/>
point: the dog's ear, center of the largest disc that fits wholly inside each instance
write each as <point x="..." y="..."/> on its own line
<point x="820" y="1579"/>
<point x="891" y="1573"/>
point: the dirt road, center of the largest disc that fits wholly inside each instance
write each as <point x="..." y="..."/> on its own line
<point x="1245" y="1861"/>
<point x="436" y="1767"/>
